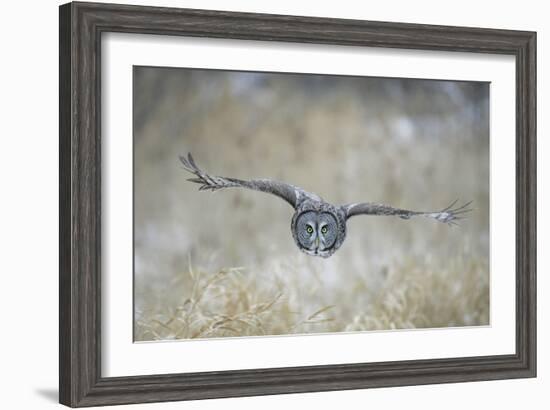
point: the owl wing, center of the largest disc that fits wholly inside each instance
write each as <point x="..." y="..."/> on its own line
<point x="448" y="215"/>
<point x="290" y="193"/>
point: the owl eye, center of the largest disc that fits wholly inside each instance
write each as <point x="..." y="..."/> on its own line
<point x="309" y="230"/>
<point x="324" y="229"/>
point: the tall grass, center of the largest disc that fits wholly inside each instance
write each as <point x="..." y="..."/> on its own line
<point x="236" y="302"/>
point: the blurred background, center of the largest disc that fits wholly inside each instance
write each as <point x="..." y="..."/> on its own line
<point x="224" y="264"/>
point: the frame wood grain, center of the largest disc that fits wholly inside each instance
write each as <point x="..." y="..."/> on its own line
<point x="80" y="29"/>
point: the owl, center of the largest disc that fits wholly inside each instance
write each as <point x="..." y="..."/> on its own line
<point x="318" y="227"/>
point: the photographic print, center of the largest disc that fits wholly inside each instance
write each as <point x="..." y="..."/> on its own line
<point x="281" y="203"/>
<point x="226" y="188"/>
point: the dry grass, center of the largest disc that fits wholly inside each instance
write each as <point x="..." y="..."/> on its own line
<point x="233" y="302"/>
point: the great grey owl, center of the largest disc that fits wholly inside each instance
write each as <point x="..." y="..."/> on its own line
<point x="318" y="228"/>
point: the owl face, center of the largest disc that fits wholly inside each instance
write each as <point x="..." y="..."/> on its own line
<point x="316" y="233"/>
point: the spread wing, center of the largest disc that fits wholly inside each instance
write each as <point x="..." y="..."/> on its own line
<point x="290" y="193"/>
<point x="449" y="215"/>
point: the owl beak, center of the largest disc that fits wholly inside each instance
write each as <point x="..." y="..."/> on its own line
<point x="316" y="243"/>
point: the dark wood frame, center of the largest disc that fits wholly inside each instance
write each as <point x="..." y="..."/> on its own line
<point x="81" y="26"/>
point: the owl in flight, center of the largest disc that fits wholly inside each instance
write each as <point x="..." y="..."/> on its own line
<point x="318" y="228"/>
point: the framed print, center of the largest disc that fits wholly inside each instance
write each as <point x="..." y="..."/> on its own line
<point x="248" y="201"/>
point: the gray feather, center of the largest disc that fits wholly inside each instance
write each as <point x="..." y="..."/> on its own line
<point x="290" y="193"/>
<point x="448" y="215"/>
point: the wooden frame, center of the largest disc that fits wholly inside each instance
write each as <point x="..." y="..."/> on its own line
<point x="81" y="27"/>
